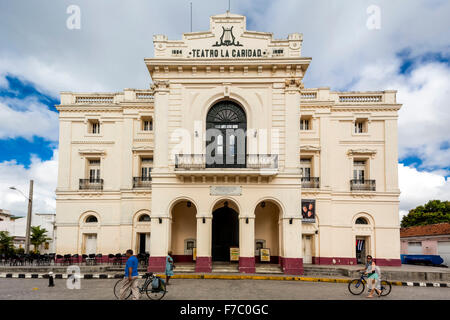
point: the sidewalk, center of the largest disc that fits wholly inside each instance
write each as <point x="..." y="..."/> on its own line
<point x="412" y="275"/>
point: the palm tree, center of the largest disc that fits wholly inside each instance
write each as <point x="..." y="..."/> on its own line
<point x="6" y="242"/>
<point x="38" y="236"/>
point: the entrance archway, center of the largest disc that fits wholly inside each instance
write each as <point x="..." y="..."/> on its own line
<point x="267" y="230"/>
<point x="225" y="232"/>
<point x="184" y="231"/>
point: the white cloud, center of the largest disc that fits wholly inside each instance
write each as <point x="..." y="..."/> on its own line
<point x="424" y="117"/>
<point x="27" y="118"/>
<point x="49" y="77"/>
<point x="43" y="173"/>
<point x="418" y="187"/>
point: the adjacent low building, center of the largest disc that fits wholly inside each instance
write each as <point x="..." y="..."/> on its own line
<point x="433" y="239"/>
<point x="16" y="227"/>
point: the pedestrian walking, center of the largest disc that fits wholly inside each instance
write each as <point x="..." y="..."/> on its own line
<point x="169" y="267"/>
<point x="131" y="277"/>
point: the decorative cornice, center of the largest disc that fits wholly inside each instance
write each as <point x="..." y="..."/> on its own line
<point x="143" y="148"/>
<point x="309" y="148"/>
<point x="92" y="152"/>
<point x="353" y="152"/>
<point x="365" y="108"/>
<point x="160" y="86"/>
<point x="92" y="142"/>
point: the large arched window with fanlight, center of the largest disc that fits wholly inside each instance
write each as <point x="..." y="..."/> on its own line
<point x="226" y="125"/>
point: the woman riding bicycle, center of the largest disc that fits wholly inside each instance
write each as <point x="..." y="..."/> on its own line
<point x="373" y="277"/>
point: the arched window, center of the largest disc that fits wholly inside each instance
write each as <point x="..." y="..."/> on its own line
<point x="91" y="219"/>
<point x="144" y="218"/>
<point x="226" y="125"/>
<point x="361" y="220"/>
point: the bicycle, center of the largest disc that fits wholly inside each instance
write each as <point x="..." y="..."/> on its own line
<point x="147" y="280"/>
<point x="357" y="286"/>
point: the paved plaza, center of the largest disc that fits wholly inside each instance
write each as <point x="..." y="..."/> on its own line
<point x="206" y="289"/>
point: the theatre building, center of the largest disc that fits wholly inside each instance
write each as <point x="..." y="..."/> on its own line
<point x="227" y="157"/>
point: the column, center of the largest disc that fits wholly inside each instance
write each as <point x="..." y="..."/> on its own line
<point x="204" y="234"/>
<point x="126" y="149"/>
<point x="159" y="244"/>
<point x="292" y="127"/>
<point x="161" y="126"/>
<point x="247" y="244"/>
<point x="292" y="259"/>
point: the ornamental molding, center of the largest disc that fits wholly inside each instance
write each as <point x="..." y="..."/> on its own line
<point x="309" y="148"/>
<point x="365" y="108"/>
<point x="369" y="152"/>
<point x="93" y="142"/>
<point x="160" y="85"/>
<point x="89" y="108"/>
<point x="293" y="84"/>
<point x="145" y="148"/>
<point x="90" y="152"/>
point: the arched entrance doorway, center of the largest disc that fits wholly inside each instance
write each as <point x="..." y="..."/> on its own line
<point x="226" y="125"/>
<point x="225" y="231"/>
<point x="184" y="231"/>
<point x="267" y="232"/>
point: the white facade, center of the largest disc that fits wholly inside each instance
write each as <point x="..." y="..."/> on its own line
<point x="17" y="229"/>
<point x="135" y="168"/>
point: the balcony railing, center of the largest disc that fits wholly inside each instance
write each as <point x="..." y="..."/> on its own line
<point x="360" y="98"/>
<point x="142" y="182"/>
<point x="362" y="185"/>
<point x="262" y="161"/>
<point x="94" y="99"/>
<point x="253" y="161"/>
<point x="310" y="182"/>
<point x="91" y="184"/>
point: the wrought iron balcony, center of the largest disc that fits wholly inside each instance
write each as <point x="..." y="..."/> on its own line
<point x="198" y="162"/>
<point x="362" y="185"/>
<point x="310" y="182"/>
<point x="262" y="161"/>
<point x="91" y="184"/>
<point x="142" y="182"/>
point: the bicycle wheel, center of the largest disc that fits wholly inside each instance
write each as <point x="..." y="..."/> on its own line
<point x="386" y="288"/>
<point x="156" y="294"/>
<point x="117" y="288"/>
<point x="356" y="286"/>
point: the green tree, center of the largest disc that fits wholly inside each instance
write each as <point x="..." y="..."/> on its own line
<point x="435" y="211"/>
<point x="38" y="236"/>
<point x="6" y="242"/>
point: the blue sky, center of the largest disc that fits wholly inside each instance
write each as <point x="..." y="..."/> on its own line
<point x="40" y="57"/>
<point x="20" y="149"/>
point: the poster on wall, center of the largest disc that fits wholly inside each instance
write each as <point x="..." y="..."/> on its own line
<point x="234" y="254"/>
<point x="308" y="211"/>
<point x="264" y="255"/>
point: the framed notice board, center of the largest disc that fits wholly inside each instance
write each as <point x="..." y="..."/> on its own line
<point x="264" y="254"/>
<point x="234" y="254"/>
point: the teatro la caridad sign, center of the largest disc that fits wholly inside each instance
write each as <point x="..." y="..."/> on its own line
<point x="228" y="39"/>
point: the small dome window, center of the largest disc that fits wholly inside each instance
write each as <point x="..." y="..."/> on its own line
<point x="361" y="221"/>
<point x="144" y="218"/>
<point x="91" y="219"/>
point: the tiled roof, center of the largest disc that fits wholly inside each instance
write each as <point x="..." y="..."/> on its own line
<point x="428" y="230"/>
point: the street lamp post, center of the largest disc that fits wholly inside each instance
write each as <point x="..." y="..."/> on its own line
<point x="30" y="207"/>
